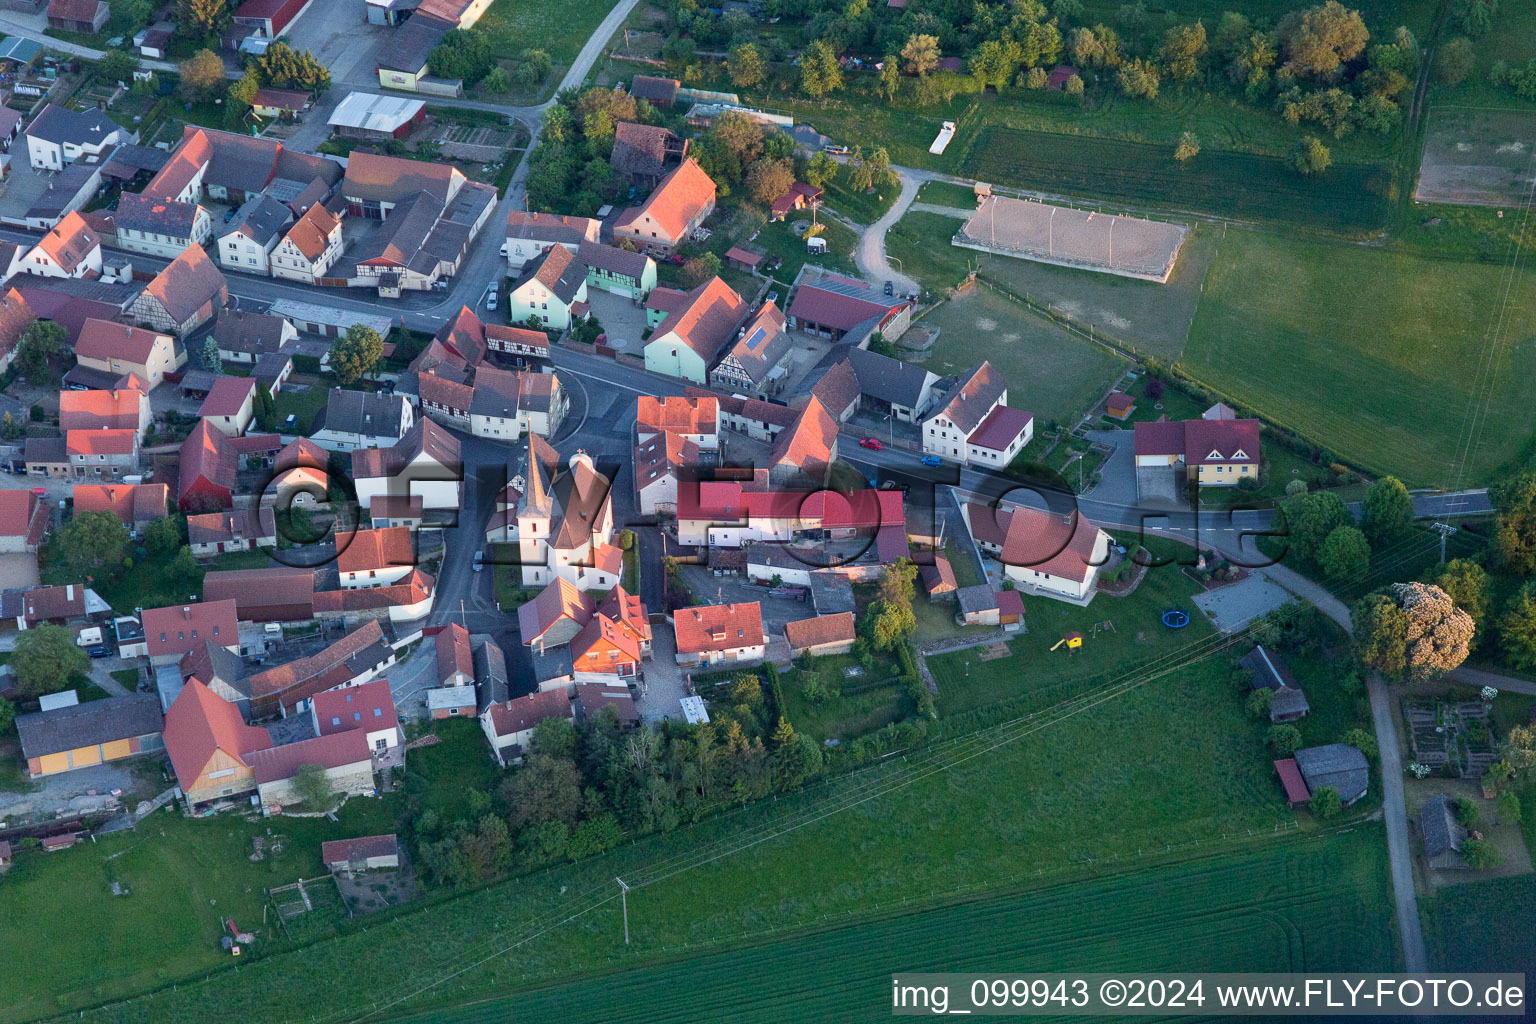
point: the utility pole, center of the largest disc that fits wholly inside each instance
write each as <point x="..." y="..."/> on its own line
<point x="1444" y="530"/>
<point x="624" y="902"/>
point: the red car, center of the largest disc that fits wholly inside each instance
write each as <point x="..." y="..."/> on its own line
<point x="869" y="442"/>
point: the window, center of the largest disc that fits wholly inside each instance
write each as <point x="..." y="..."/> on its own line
<point x="378" y="712"/>
<point x="335" y="720"/>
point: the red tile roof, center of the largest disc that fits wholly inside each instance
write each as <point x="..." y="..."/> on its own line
<point x="312" y="232"/>
<point x="1010" y="602"/>
<point x="363" y="848"/>
<point x="453" y="652"/>
<point x="707" y="319"/>
<point x="808" y="443"/>
<point x="1200" y="441"/>
<point x="817" y="304"/>
<point x="525" y="712"/>
<point x="717" y="628"/>
<point x="999" y="429"/>
<point x="101" y="442"/>
<point x="187" y="283"/>
<point x="19" y="514"/>
<point x="677" y="200"/>
<point x="91" y="410"/>
<point x="593" y="697"/>
<point x="677" y="415"/>
<point x="726" y="501"/>
<point x="200" y="723"/>
<point x="182" y="628"/>
<point x="132" y="503"/>
<point x="227" y="396"/>
<point x="819" y="630"/>
<point x="414" y="588"/>
<point x="15" y="315"/>
<point x="206" y="454"/>
<point x="101" y="339"/>
<point x="293" y="682"/>
<point x="967" y="405"/>
<point x="70" y="242"/>
<point x="1030" y="538"/>
<point x="387" y="548"/>
<point x="275" y="764"/>
<point x="601" y="631"/>
<point x="369" y="707"/>
<point x="1296" y="791"/>
<point x="559" y="599"/>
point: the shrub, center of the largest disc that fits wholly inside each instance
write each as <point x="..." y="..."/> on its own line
<point x="1481" y="855"/>
<point x="1468" y="812"/>
<point x="1283" y="740"/>
<point x="1325" y="803"/>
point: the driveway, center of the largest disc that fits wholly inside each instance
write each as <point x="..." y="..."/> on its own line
<point x="870" y="253"/>
<point x="1117" y="477"/>
<point x="664" y="682"/>
<point x="623" y="321"/>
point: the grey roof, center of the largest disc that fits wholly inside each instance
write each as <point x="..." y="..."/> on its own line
<point x="363" y="413"/>
<point x="889" y="380"/>
<point x="248" y="332"/>
<point x="270" y="365"/>
<point x="978" y="598"/>
<point x="831" y="592"/>
<point x="168" y="684"/>
<point x="62" y="190"/>
<point x="1442" y="832"/>
<point x="155" y="216"/>
<point x="130" y="158"/>
<point x="496" y="394"/>
<point x="1289" y="701"/>
<point x="444" y="697"/>
<point x="401" y="238"/>
<point x="41" y="450"/>
<point x="760" y="349"/>
<point x="1269" y="671"/>
<point x="565" y="284"/>
<point x="409" y="45"/>
<point x="611" y="258"/>
<point x="1335" y="764"/>
<point x="80" y="127"/>
<point x="261" y="219"/>
<point x="84" y="725"/>
<point x="490" y="671"/>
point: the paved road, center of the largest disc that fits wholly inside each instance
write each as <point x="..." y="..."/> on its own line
<point x="11" y="27"/>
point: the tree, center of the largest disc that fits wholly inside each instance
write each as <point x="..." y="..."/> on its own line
<point x="1508" y="803"/>
<point x="1182" y="51"/>
<point x="920" y="55"/>
<point x="46" y="659"/>
<point x="497" y="80"/>
<point x="1520" y="748"/>
<point x="820" y="72"/>
<point x="1259" y="703"/>
<point x="10" y="430"/>
<point x="355" y="353"/>
<point x="265" y="410"/>
<point x="1189" y="147"/>
<point x="1074" y="86"/>
<point x="1138" y="79"/>
<point x="117" y="66"/>
<point x="1517" y="627"/>
<point x="1514" y="531"/>
<point x="1380" y="633"/>
<point x="820" y="169"/>
<point x="700" y="269"/>
<point x="209" y="356"/>
<point x="462" y="53"/>
<point x="740" y="137"/>
<point x="896" y="582"/>
<point x="1325" y="803"/>
<point x="1310" y="518"/>
<point x="993" y="62"/>
<point x="1037" y="79"/>
<point x="202" y="77"/>
<point x="1345" y="555"/>
<point x="1454" y="60"/>
<point x="1388" y="511"/>
<point x="1364" y="741"/>
<point x="746" y="65"/>
<point x="1411" y="630"/>
<point x="90" y="543"/>
<point x="7" y="714"/>
<point x="1250" y="67"/>
<point x="545" y="788"/>
<point x="769" y="179"/>
<point x="1308" y="156"/>
<point x="162" y="538"/>
<point x="1318" y="41"/>
<point x="280" y="66"/>
<point x="199" y="19"/>
<point x="1469" y="586"/>
<point x="41" y="342"/>
<point x="1480" y="854"/>
<point x="1282" y="739"/>
<point x="893" y="625"/>
<point x="890" y="77"/>
<point x="1474" y="17"/>
<point x="312" y="783"/>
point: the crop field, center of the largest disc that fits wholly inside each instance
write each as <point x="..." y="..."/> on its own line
<point x="1321" y="904"/>
<point x="1477" y="157"/>
<point x="1349" y="199"/>
<point x="1052" y="372"/>
<point x="1372" y="352"/>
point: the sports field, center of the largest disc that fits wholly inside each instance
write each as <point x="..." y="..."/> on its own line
<point x="1351" y="198"/>
<point x="1320" y="904"/>
<point x="1372" y="352"/>
<point x="1051" y="372"/>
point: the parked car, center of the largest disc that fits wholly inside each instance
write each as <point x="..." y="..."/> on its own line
<point x="493" y="296"/>
<point x="99" y="651"/>
<point x="890" y="288"/>
<point x="932" y="460"/>
<point x="479" y="560"/>
<point x="870" y="443"/>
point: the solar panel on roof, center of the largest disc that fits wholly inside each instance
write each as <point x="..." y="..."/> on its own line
<point x="756" y="339"/>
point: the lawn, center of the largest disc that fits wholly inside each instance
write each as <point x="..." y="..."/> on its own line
<point x="1051" y="372"/>
<point x="1374" y="353"/>
<point x="1033" y="673"/>
<point x="303" y="405"/>
<point x="779" y="239"/>
<point x="921" y="242"/>
<point x="149" y="585"/>
<point x="858" y="206"/>
<point x="559" y="27"/>
<point x="947" y="193"/>
<point x="1225" y="913"/>
<point x="865" y="703"/>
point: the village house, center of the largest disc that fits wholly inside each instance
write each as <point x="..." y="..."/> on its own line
<point x="376" y="558"/>
<point x="70" y="249"/>
<point x="530" y="235"/>
<point x="425" y="463"/>
<point x="345" y="757"/>
<point x="454" y="655"/>
<point x="725" y="514"/>
<point x="310" y="248"/>
<point x="83" y="16"/>
<point x="890" y="387"/>
<point x="552" y="289"/>
<point x="137" y="505"/>
<point x="1217" y="452"/>
<point x="523" y="347"/>
<point x="160" y="227"/>
<point x="1053" y="554"/>
<point x="24" y="521"/>
<point x="799" y="197"/>
<point x="509" y="724"/>
<point x="696" y="419"/>
<point x="362" y="419"/>
<point x="15" y="316"/>
<point x="644" y="154"/>
<point x="555" y="615"/>
<point x="831" y="306"/>
<point x="804" y="451"/>
<point x="658" y="92"/>
<point x="280" y="103"/>
<point x="246" y="337"/>
<point x="368" y="708"/>
<point x="58" y="606"/>
<point x="84" y="735"/>
<point x="509" y="403"/>
<point x="662" y="463"/>
<point x="118" y="349"/>
<point x="120" y="409"/>
<point x="821" y="635"/>
<point x="59" y="136"/>
<point x="604" y="649"/>
<point x="618" y="271"/>
<point x="102" y="452"/>
<point x="688" y="340"/>
<point x="230" y="406"/>
<point x="720" y="634"/>
<point x="356" y="658"/>
<point x="206" y="471"/>
<point x="972" y="423"/>
<point x="679" y="205"/>
<point x="170" y="633"/>
<point x="183" y="296"/>
<point x="757" y="362"/>
<point x="279" y="593"/>
<point x="210" y="747"/>
<point x="242" y="528"/>
<point x="1269" y="672"/>
<point x="247" y="241"/>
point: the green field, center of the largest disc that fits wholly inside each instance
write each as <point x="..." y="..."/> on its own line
<point x="1350" y="198"/>
<point x="1051" y="372"/>
<point x="559" y="28"/>
<point x="1372" y="352"/>
<point x="1321" y="904"/>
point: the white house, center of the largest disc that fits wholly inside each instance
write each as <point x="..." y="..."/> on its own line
<point x="972" y="423"/>
<point x="532" y="234"/>
<point x="551" y="284"/>
<point x="425" y="463"/>
<point x="60" y="136"/>
<point x="361" y="419"/>
<point x="509" y="725"/>
<point x="1046" y="553"/>
<point x="246" y="242"/>
<point x="70" y="249"/>
<point x="160" y="227"/>
<point x="310" y="247"/>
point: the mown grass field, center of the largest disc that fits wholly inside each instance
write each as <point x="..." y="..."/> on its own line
<point x="1374" y="353"/>
<point x="1351" y="198"/>
<point x="1321" y="904"/>
<point x="559" y="28"/>
<point x="1051" y="793"/>
<point x="1052" y="373"/>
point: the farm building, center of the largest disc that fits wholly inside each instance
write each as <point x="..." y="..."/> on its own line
<point x="1270" y="673"/>
<point x="82" y="735"/>
<point x="1127" y="246"/>
<point x="824" y="634"/>
<point x="1337" y="765"/>
<point x="1290" y="777"/>
<point x="1443" y="834"/>
<point x="373" y="117"/>
<point x="350" y="856"/>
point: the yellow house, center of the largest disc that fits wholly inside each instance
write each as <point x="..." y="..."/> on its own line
<point x="1216" y="452"/>
<point x="210" y="746"/>
<point x="62" y="739"/>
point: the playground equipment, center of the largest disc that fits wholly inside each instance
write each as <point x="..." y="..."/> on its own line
<point x="1107" y="626"/>
<point x="1175" y="619"/>
<point x="1072" y="640"/>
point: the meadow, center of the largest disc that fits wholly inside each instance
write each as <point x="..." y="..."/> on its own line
<point x="1056" y="374"/>
<point x="1320" y="904"/>
<point x="1374" y="353"/>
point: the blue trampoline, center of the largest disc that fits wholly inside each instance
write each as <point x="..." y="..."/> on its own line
<point x="1175" y="619"/>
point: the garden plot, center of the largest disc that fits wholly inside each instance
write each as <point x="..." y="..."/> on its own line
<point x="474" y="143"/>
<point x="1478" y="157"/>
